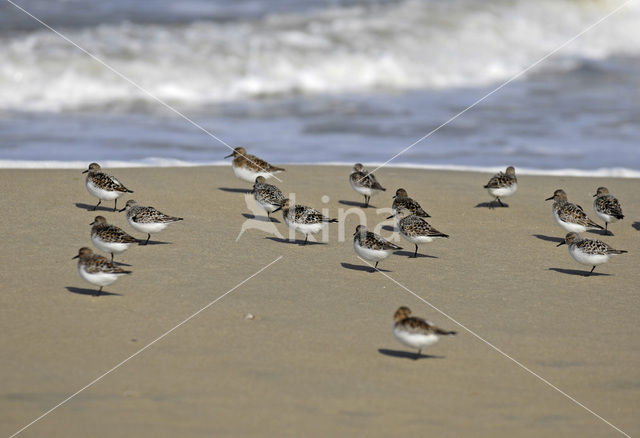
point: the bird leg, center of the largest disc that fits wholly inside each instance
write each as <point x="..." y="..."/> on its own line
<point x="115" y="204"/>
<point x="99" y="201"/>
<point x="366" y="201"/>
<point x="375" y="267"/>
<point x="418" y="354"/>
<point x="415" y="254"/>
<point x="500" y="202"/>
<point x="98" y="293"/>
<point x="111" y="257"/>
<point x="148" y="237"/>
<point x="306" y="237"/>
<point x="591" y="271"/>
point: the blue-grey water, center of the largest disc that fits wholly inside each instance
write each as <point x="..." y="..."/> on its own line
<point x="322" y="81"/>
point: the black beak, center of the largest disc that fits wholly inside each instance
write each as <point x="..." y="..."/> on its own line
<point x="92" y="223"/>
<point x="277" y="209"/>
<point x="564" y="242"/>
<point x="394" y="197"/>
<point x="86" y="171"/>
<point x="595" y="195"/>
<point x="122" y="209"/>
<point x="390" y="217"/>
<point x="549" y="199"/>
<point x="75" y="257"/>
<point x="230" y="155"/>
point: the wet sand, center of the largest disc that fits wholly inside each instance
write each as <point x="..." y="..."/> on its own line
<point x="319" y="359"/>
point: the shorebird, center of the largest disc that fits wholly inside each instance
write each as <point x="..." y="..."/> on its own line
<point x="267" y="196"/>
<point x="306" y="220"/>
<point x="590" y="252"/>
<point x="502" y="184"/>
<point x="570" y="216"/>
<point x="416" y="332"/>
<point x="97" y="270"/>
<point x="109" y="238"/>
<point x="402" y="202"/>
<point x="607" y="207"/>
<point x="248" y="167"/>
<point x="371" y="246"/>
<point x="364" y="183"/>
<point x="147" y="219"/>
<point x="417" y="230"/>
<point x="104" y="187"/>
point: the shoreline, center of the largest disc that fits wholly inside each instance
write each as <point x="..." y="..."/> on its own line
<point x="163" y="163"/>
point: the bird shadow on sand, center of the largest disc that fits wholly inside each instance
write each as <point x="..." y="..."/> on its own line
<point x="364" y="268"/>
<point x="636" y="226"/>
<point x="355" y="204"/>
<point x="90" y="207"/>
<point x="92" y="292"/>
<point x="491" y="205"/>
<point x="579" y="273"/>
<point x="410" y="255"/>
<point x="154" y="242"/>
<point x="120" y="263"/>
<point x="234" y="190"/>
<point x="549" y="238"/>
<point x="261" y="218"/>
<point x="400" y="354"/>
<point x="295" y="242"/>
<point x="601" y="232"/>
<point x="388" y="228"/>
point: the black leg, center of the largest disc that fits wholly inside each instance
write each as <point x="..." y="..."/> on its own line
<point x="269" y="215"/>
<point x="500" y="202"/>
<point x="98" y="293"/>
<point x="591" y="271"/>
<point x="415" y="254"/>
<point x="376" y="267"/>
<point x="115" y="204"/>
<point x="99" y="201"/>
<point x="418" y="354"/>
<point x="112" y="257"/>
<point x="148" y="237"/>
<point x="366" y="201"/>
<point x="306" y="237"/>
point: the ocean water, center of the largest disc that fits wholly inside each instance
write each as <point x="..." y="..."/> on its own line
<point x="323" y="81"/>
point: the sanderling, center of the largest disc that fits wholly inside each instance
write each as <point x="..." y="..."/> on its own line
<point x="248" y="167"/>
<point x="371" y="246"/>
<point x="416" y="230"/>
<point x="402" y="203"/>
<point x="570" y="216"/>
<point x="415" y="332"/>
<point x="607" y="207"/>
<point x="364" y="183"/>
<point x="267" y="196"/>
<point x="109" y="238"/>
<point x="104" y="187"/>
<point x="502" y="184"/>
<point x="306" y="220"/>
<point x="590" y="252"/>
<point x="147" y="219"/>
<point x="97" y="269"/>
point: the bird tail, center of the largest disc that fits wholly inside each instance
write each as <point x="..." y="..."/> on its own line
<point x="619" y="216"/>
<point x="593" y="224"/>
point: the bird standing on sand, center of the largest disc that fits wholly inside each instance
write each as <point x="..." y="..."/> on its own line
<point x="306" y="220"/>
<point x="371" y="246"/>
<point x="364" y="183"/>
<point x="570" y="216"/>
<point x="607" y="207"/>
<point x="502" y="184"/>
<point x="416" y="332"/>
<point x="147" y="219"/>
<point x="248" y="167"/>
<point x="97" y="270"/>
<point x="104" y="187"/>
<point x="402" y="202"/>
<point x="109" y="238"/>
<point x="417" y="230"/>
<point x="267" y="196"/>
<point x="590" y="252"/>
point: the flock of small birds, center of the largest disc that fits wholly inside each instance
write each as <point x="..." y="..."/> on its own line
<point x="94" y="268"/>
<point x="411" y="223"/>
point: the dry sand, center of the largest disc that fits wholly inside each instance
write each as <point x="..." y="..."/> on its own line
<point x="319" y="359"/>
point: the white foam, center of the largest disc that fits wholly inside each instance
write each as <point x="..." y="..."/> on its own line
<point x="394" y="46"/>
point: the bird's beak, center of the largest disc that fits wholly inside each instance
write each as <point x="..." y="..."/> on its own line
<point x="123" y="209"/>
<point x="230" y="155"/>
<point x="394" y="197"/>
<point x="86" y="171"/>
<point x="549" y="199"/>
<point x="595" y="195"/>
<point x="92" y="223"/>
<point x="390" y="217"/>
<point x="564" y="242"/>
<point x="75" y="257"/>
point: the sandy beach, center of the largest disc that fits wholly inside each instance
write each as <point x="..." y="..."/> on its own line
<point x="319" y="359"/>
